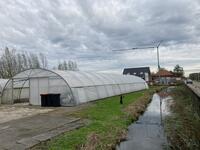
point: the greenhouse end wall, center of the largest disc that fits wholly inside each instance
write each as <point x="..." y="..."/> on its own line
<point x="2" y="85"/>
<point x="75" y="87"/>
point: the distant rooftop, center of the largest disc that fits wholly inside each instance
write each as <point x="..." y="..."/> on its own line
<point x="137" y="70"/>
<point x="164" y="73"/>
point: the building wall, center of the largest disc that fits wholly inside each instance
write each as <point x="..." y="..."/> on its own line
<point x="164" y="80"/>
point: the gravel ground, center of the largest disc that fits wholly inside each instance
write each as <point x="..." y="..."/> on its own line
<point x="23" y="126"/>
<point x="17" y="111"/>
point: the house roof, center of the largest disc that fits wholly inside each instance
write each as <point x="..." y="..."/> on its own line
<point x="136" y="70"/>
<point x="164" y="73"/>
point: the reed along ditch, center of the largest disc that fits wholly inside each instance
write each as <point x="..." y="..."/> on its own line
<point x="171" y="121"/>
<point x="147" y="133"/>
<point x="183" y="126"/>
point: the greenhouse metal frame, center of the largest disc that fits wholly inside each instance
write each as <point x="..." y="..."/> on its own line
<point x="2" y="84"/>
<point x="74" y="87"/>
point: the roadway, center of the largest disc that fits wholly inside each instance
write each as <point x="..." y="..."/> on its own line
<point x="195" y="87"/>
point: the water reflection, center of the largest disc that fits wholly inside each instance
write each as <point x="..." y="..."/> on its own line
<point x="147" y="132"/>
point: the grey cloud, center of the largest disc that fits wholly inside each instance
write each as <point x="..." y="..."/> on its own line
<point x="87" y="31"/>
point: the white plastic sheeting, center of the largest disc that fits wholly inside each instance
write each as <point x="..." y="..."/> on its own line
<point x="75" y="87"/>
<point x="2" y="84"/>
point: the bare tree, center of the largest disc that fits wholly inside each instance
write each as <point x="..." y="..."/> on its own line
<point x="43" y="60"/>
<point x="70" y="65"/>
<point x="12" y="62"/>
<point x="8" y="63"/>
<point x="34" y="61"/>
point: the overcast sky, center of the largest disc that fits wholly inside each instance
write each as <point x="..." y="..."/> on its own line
<point x="86" y="31"/>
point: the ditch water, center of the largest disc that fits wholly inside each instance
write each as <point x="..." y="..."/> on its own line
<point x="148" y="132"/>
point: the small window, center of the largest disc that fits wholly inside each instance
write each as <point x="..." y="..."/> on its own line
<point x="141" y="72"/>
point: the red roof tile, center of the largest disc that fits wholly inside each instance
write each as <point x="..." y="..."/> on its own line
<point x="164" y="73"/>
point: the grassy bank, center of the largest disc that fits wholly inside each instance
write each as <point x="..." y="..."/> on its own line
<point x="183" y="126"/>
<point x="108" y="123"/>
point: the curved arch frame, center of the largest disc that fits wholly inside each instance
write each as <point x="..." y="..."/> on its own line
<point x="29" y="78"/>
<point x="4" y="87"/>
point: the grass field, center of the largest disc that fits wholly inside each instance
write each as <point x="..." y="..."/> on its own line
<point x="108" y="123"/>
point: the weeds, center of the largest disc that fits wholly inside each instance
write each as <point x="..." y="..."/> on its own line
<point x="183" y="126"/>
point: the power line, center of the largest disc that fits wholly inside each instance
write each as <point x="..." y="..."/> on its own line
<point x="145" y="47"/>
<point x="134" y="48"/>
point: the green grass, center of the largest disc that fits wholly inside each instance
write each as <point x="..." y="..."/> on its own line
<point x="106" y="117"/>
<point x="183" y="126"/>
<point x="108" y="124"/>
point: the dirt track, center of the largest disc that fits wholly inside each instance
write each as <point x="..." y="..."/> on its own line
<point x="13" y="112"/>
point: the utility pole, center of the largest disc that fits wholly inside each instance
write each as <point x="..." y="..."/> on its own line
<point x="158" y="57"/>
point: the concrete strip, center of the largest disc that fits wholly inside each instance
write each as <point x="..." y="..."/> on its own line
<point x="17" y="147"/>
<point x="71" y="120"/>
<point x="28" y="142"/>
<point x="68" y="128"/>
<point x="4" y="127"/>
<point x="46" y="136"/>
<point x="2" y="148"/>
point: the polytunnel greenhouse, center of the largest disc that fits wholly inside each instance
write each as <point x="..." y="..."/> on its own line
<point x="74" y="87"/>
<point x="2" y="84"/>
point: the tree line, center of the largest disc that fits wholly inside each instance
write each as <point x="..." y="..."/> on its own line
<point x="70" y="65"/>
<point x="12" y="62"/>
